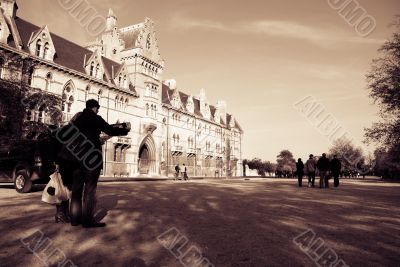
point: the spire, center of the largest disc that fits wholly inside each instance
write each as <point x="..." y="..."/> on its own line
<point x="111" y="14"/>
<point x="111" y="20"/>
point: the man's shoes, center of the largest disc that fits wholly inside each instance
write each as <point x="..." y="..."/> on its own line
<point x="94" y="225"/>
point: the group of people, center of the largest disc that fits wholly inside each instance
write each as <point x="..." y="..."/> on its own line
<point x="183" y="173"/>
<point x="77" y="176"/>
<point x="325" y="167"/>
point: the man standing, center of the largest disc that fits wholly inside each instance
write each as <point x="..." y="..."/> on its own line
<point x="85" y="151"/>
<point x="336" y="166"/>
<point x="177" y="171"/>
<point x="185" y="176"/>
<point x="300" y="172"/>
<point x="310" y="169"/>
<point x="323" y="167"/>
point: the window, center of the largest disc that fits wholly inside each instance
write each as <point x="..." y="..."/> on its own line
<point x="49" y="76"/>
<point x="147" y="109"/>
<point x="126" y="103"/>
<point x="99" y="95"/>
<point x="116" y="102"/>
<point x="38" y="48"/>
<point x="46" y="51"/>
<point x="30" y="76"/>
<point x="87" y="92"/>
<point x="42" y="114"/>
<point x="91" y="73"/>
<point x="125" y="84"/>
<point x="97" y="74"/>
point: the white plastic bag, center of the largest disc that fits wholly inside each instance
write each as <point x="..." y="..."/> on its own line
<point x="55" y="191"/>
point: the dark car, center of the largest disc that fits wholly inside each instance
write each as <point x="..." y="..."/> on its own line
<point x="26" y="162"/>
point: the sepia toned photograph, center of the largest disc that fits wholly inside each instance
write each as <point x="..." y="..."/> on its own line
<point x="187" y="133"/>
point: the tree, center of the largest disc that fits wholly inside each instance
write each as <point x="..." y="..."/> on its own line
<point x="286" y="164"/>
<point x="351" y="157"/>
<point x="17" y="97"/>
<point x="384" y="89"/>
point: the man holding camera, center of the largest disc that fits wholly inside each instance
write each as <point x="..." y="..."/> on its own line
<point x="85" y="176"/>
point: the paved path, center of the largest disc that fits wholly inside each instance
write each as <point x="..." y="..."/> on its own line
<point x="230" y="222"/>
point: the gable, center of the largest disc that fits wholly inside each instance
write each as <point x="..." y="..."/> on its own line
<point x="41" y="44"/>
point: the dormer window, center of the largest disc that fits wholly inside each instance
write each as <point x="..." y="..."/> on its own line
<point x="38" y="48"/>
<point x="91" y="73"/>
<point x="46" y="51"/>
<point x="97" y="71"/>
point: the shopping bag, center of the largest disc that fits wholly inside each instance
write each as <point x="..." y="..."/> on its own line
<point x="55" y="191"/>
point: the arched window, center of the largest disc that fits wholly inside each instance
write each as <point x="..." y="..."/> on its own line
<point x="42" y="113"/>
<point x="64" y="101"/>
<point x="97" y="71"/>
<point x="30" y="76"/>
<point x="125" y="85"/>
<point x="147" y="109"/>
<point x="46" y="51"/>
<point x="91" y="73"/>
<point x="99" y="95"/>
<point x="126" y="103"/>
<point x="116" y="102"/>
<point x="49" y="77"/>
<point x="70" y="101"/>
<point x="87" y="92"/>
<point x="38" y="48"/>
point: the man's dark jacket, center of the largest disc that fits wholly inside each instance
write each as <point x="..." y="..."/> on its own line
<point x="323" y="164"/>
<point x="91" y="125"/>
<point x="336" y="166"/>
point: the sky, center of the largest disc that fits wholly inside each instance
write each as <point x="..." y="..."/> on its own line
<point x="266" y="58"/>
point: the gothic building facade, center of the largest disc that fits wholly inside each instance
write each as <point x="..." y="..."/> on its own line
<point x="123" y="70"/>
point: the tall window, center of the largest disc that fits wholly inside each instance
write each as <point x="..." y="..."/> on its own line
<point x="48" y="81"/>
<point x="147" y="109"/>
<point x="38" y="47"/>
<point x="46" y="51"/>
<point x="30" y="76"/>
<point x="87" y="92"/>
<point x="67" y="99"/>
<point x="91" y="72"/>
<point x="97" y="74"/>
<point x="99" y="95"/>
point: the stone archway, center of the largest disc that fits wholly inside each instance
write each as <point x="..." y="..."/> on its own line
<point x="147" y="156"/>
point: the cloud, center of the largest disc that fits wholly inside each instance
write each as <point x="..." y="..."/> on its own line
<point x="274" y="28"/>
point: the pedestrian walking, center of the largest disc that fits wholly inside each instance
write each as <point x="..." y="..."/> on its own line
<point x="177" y="171"/>
<point x="185" y="176"/>
<point x="300" y="171"/>
<point x="323" y="165"/>
<point x="85" y="173"/>
<point x="310" y="168"/>
<point x="336" y="167"/>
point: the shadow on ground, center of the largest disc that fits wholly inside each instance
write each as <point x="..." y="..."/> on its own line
<point x="232" y="223"/>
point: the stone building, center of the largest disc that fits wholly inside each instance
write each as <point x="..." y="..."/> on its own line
<point x="123" y="70"/>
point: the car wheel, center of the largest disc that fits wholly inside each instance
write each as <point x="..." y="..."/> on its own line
<point x="22" y="182"/>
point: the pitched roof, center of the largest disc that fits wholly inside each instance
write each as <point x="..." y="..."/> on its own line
<point x="68" y="54"/>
